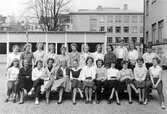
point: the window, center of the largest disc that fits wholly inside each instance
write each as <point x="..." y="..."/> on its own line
<point x="147" y="37"/>
<point x="160" y="30"/>
<point x="117" y="29"/>
<point x="3" y="47"/>
<point x="109" y="19"/>
<point x="141" y="29"/>
<point x="134" y="19"/>
<point x="93" y="23"/>
<point x="102" y="29"/>
<point x="126" y="39"/>
<point x="141" y="19"/>
<point x="126" y="29"/>
<point x="134" y="29"/>
<point x="118" y="18"/>
<point x="126" y="19"/>
<point x="101" y="19"/>
<point x="109" y="40"/>
<point x="117" y="39"/>
<point x="134" y="39"/>
<point x="141" y="40"/>
<point x="110" y="29"/>
<point x="153" y="32"/>
<point x="147" y="7"/>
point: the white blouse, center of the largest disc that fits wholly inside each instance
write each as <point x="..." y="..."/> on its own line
<point x="12" y="73"/>
<point x="133" y="55"/>
<point x="148" y="57"/>
<point x="36" y="73"/>
<point x="97" y="56"/>
<point x="11" y="57"/>
<point x="121" y="52"/>
<point x="155" y="71"/>
<point x="39" y="55"/>
<point x="140" y="73"/>
<point x="88" y="72"/>
<point x="112" y="72"/>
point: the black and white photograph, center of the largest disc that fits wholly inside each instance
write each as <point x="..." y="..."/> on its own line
<point x="83" y="56"/>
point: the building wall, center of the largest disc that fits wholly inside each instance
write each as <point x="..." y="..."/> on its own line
<point x="155" y="13"/>
<point x="93" y="22"/>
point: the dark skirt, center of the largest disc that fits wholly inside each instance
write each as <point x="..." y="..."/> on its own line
<point x="25" y="83"/>
<point x="114" y="84"/>
<point x="140" y="85"/>
<point x="76" y="84"/>
<point x="125" y="82"/>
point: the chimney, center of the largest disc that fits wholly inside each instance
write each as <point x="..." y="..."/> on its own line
<point x="125" y="7"/>
<point x="99" y="7"/>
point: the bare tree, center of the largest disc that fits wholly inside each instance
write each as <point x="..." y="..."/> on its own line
<point x="49" y="13"/>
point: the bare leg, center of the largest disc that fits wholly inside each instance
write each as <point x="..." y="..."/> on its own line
<point x="90" y="94"/>
<point x="86" y="93"/>
<point x="112" y="93"/>
<point x="134" y="88"/>
<point x="80" y="92"/>
<point x="129" y="93"/>
<point x="60" y="95"/>
<point x="143" y="93"/>
<point x="139" y="90"/>
<point x="117" y="98"/>
<point x="74" y="95"/>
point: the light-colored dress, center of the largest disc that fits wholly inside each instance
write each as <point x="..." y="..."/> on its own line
<point x="11" y="57"/>
<point x="83" y="57"/>
<point x="39" y="55"/>
<point x="74" y="56"/>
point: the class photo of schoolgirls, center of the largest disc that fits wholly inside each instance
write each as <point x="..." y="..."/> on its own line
<point x="110" y="75"/>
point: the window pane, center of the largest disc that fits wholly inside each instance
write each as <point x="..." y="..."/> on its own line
<point x="109" y="40"/>
<point x="126" y="19"/>
<point x="3" y="47"/>
<point x="118" y="18"/>
<point x="110" y="29"/>
<point x="118" y="29"/>
<point x="126" y="29"/>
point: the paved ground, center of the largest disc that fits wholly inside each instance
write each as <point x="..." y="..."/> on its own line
<point x="81" y="108"/>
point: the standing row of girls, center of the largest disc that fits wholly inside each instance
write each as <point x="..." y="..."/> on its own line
<point x="118" y="70"/>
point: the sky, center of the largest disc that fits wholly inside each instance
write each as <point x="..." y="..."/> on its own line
<point x="16" y="7"/>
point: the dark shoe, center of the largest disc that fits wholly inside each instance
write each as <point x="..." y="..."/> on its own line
<point x="22" y="102"/>
<point x="74" y="103"/>
<point x="97" y="102"/>
<point x="91" y="102"/>
<point x="118" y="103"/>
<point x="14" y="100"/>
<point x="109" y="101"/>
<point x="140" y="102"/>
<point x="130" y="102"/>
<point x="7" y="100"/>
<point x="86" y="102"/>
<point x="59" y="102"/>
